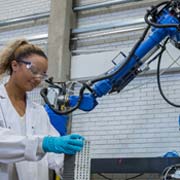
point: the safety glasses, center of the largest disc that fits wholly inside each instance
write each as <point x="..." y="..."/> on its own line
<point x="34" y="70"/>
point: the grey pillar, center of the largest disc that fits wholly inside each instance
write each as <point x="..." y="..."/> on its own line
<point x="60" y="24"/>
<point x="58" y="39"/>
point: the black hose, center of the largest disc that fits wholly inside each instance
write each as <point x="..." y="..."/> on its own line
<point x="159" y="81"/>
<point x="43" y="93"/>
<point x="127" y="61"/>
<point x="154" y="24"/>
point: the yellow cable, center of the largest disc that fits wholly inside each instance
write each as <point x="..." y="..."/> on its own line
<point x="57" y="178"/>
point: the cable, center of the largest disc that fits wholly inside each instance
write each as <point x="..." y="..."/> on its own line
<point x="128" y="58"/>
<point x="133" y="72"/>
<point x="166" y="172"/>
<point x="105" y="177"/>
<point x="152" y="13"/>
<point x="154" y="58"/>
<point x="44" y="92"/>
<point x="135" y="176"/>
<point x="159" y="81"/>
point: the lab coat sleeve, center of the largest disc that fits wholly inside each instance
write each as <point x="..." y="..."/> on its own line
<point x="55" y="161"/>
<point x="16" y="148"/>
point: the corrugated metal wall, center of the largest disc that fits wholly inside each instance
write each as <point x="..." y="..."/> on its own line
<point x="110" y="27"/>
<point x="15" y="11"/>
<point x="15" y="8"/>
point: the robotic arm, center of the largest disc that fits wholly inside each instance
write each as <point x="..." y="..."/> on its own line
<point x="165" y="22"/>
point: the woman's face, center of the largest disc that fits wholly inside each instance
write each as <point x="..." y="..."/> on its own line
<point x="29" y="72"/>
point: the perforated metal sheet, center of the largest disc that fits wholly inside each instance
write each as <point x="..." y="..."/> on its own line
<point x="82" y="163"/>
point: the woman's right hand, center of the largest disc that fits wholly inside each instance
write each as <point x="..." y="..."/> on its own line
<point x="69" y="144"/>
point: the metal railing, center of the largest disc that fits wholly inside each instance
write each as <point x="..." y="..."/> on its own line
<point x="22" y="19"/>
<point x="102" y="4"/>
<point x="139" y="21"/>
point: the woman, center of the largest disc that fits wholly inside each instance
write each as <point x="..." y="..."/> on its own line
<point x="25" y="132"/>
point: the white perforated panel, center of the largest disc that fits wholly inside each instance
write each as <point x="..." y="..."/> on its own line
<point x="82" y="163"/>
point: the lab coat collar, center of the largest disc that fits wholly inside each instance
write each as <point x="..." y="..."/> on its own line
<point x="12" y="117"/>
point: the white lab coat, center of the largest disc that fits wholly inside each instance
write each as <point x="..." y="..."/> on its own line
<point x="21" y="157"/>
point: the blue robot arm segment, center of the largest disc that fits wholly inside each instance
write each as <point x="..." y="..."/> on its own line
<point x="87" y="104"/>
<point x="103" y="87"/>
<point x="58" y="121"/>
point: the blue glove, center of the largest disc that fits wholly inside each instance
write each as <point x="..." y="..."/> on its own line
<point x="69" y="144"/>
<point x="58" y="121"/>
